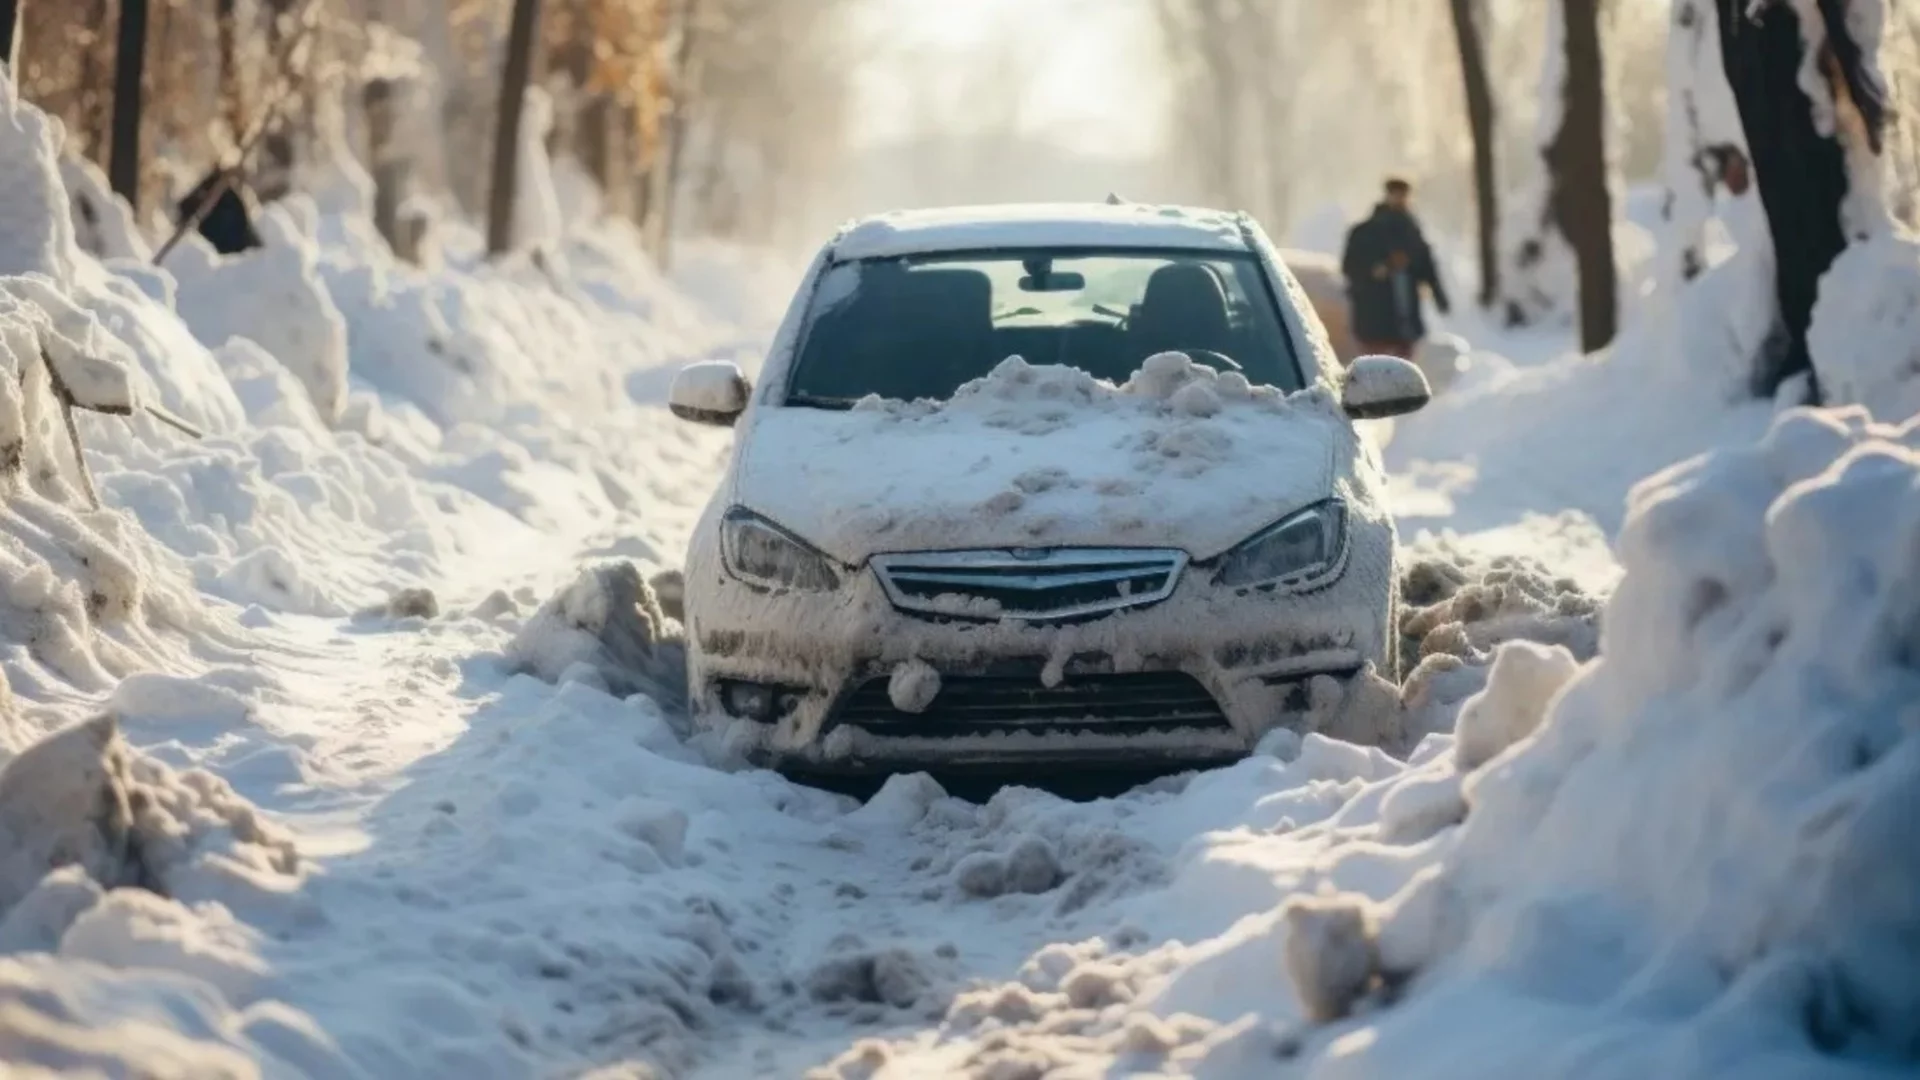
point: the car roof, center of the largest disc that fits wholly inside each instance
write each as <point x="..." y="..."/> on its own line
<point x="1040" y="225"/>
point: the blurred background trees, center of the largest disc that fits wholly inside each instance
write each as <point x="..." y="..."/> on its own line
<point x="678" y="111"/>
<point x="1562" y="135"/>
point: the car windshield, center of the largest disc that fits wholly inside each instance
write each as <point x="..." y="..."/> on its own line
<point x="916" y="327"/>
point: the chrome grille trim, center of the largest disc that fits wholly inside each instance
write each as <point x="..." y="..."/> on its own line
<point x="1028" y="584"/>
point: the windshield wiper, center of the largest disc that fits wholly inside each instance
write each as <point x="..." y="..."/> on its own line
<point x="815" y="401"/>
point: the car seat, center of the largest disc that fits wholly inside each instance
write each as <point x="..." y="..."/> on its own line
<point x="1183" y="307"/>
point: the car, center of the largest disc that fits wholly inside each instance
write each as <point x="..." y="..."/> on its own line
<point x="1049" y="485"/>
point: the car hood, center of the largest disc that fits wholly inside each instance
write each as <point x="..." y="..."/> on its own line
<point x="1196" y="475"/>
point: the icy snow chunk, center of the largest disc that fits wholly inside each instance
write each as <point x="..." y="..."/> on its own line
<point x="660" y="825"/>
<point x="1865" y="337"/>
<point x="902" y="801"/>
<point x="1281" y="743"/>
<point x="892" y="976"/>
<point x="1329" y="952"/>
<point x="1464" y="607"/>
<point x="913" y="686"/>
<point x="606" y="618"/>
<point x="1029" y="868"/>
<point x="1524" y="678"/>
<point x="413" y="602"/>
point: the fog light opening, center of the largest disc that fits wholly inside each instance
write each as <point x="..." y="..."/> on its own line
<point x="750" y="700"/>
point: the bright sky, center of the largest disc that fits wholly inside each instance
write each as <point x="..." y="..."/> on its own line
<point x="1082" y="71"/>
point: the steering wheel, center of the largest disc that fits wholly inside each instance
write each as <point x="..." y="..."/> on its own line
<point x="1214" y="359"/>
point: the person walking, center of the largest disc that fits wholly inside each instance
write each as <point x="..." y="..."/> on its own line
<point x="1386" y="262"/>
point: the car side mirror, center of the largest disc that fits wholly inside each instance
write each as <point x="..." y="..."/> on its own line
<point x="1381" y="386"/>
<point x="710" y="392"/>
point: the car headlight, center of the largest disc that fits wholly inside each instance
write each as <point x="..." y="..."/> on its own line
<point x="1298" y="548"/>
<point x="761" y="553"/>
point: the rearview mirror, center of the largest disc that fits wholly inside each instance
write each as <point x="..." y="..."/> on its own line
<point x="710" y="392"/>
<point x="1381" y="386"/>
<point x="1054" y="281"/>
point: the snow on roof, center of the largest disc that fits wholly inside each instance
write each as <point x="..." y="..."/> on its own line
<point x="971" y="228"/>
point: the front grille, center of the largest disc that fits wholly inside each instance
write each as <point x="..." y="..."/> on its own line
<point x="980" y="704"/>
<point x="1030" y="584"/>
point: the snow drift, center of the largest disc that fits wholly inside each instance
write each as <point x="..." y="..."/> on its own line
<point x="1692" y="856"/>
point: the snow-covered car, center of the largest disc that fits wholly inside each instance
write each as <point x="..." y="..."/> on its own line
<point x="1043" y="483"/>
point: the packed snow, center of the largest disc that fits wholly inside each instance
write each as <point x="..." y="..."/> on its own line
<point x="345" y="739"/>
<point x="1181" y="455"/>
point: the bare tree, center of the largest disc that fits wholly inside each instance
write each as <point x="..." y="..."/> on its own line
<point x="685" y="74"/>
<point x="1469" y="16"/>
<point x="233" y="107"/>
<point x="10" y="35"/>
<point x="1565" y="243"/>
<point x="129" y="65"/>
<point x="1578" y="160"/>
<point x="1800" y="151"/>
<point x="516" y="73"/>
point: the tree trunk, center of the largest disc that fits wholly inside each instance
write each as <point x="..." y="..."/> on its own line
<point x="1473" y="70"/>
<point x="389" y="163"/>
<point x="231" y="106"/>
<point x="129" y="64"/>
<point x="673" y="146"/>
<point x="516" y="73"/>
<point x="10" y="11"/>
<point x="1581" y="204"/>
<point x="1802" y="173"/>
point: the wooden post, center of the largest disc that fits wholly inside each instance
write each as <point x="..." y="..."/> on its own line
<point x="1473" y="70"/>
<point x="129" y="66"/>
<point x="516" y="73"/>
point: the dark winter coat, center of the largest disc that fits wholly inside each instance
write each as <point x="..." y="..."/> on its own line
<point x="1386" y="261"/>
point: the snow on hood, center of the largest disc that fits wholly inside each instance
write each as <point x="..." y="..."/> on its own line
<point x="1031" y="456"/>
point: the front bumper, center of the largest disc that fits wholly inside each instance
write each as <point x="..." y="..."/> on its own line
<point x="1261" y="659"/>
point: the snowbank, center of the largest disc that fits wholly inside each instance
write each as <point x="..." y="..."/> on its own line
<point x="170" y="650"/>
<point x="274" y="296"/>
<point x="1576" y="432"/>
<point x="1865" y="337"/>
<point x="1692" y="856"/>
